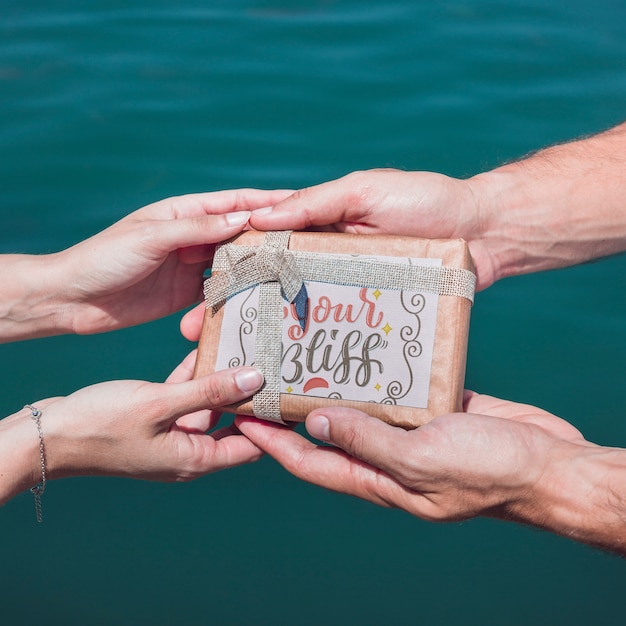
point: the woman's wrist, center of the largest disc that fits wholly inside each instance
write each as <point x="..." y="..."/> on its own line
<point x="32" y="302"/>
<point x="20" y="466"/>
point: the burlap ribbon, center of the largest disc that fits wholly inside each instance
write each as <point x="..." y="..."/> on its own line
<point x="244" y="267"/>
<point x="277" y="269"/>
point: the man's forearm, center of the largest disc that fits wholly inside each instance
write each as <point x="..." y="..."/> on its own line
<point x="32" y="298"/>
<point x="581" y="495"/>
<point x="561" y="206"/>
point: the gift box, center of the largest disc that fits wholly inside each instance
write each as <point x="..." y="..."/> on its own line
<point x="377" y="323"/>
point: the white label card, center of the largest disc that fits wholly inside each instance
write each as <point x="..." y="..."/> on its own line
<point x="365" y="344"/>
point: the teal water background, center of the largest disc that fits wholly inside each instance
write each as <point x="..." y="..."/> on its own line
<point x="107" y="106"/>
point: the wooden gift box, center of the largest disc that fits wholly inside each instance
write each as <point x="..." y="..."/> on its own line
<point x="381" y="324"/>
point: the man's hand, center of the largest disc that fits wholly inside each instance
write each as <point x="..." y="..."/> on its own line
<point x="499" y="459"/>
<point x="388" y="202"/>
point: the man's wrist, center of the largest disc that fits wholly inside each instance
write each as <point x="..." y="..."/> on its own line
<point x="581" y="494"/>
<point x="520" y="227"/>
<point x="559" y="207"/>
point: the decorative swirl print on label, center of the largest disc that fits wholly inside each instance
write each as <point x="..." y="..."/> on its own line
<point x="412" y="303"/>
<point x="247" y="315"/>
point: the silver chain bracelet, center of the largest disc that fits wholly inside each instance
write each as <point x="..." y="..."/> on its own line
<point x="38" y="489"/>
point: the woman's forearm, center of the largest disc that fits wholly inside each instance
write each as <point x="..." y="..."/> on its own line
<point x="561" y="206"/>
<point x="32" y="297"/>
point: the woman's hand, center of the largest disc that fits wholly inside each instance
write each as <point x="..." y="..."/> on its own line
<point x="146" y="266"/>
<point x="130" y="428"/>
<point x="148" y="430"/>
<point x="151" y="263"/>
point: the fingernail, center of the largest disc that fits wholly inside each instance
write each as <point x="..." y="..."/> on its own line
<point x="318" y="426"/>
<point x="238" y="218"/>
<point x="248" y="379"/>
<point x="264" y="211"/>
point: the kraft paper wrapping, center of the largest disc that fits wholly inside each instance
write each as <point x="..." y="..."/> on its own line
<point x="449" y="347"/>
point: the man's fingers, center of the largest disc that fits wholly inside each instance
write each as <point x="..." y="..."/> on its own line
<point x="364" y="437"/>
<point x="482" y="404"/>
<point x="324" y="466"/>
<point x="335" y="202"/>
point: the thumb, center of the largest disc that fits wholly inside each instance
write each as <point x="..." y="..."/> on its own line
<point x="208" y="392"/>
<point x="322" y="205"/>
<point x="191" y="323"/>
<point x="362" y="436"/>
<point x="199" y="230"/>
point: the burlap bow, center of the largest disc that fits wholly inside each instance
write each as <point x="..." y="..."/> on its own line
<point x="270" y="262"/>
